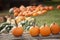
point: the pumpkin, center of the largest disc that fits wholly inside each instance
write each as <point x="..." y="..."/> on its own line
<point x="34" y="31"/>
<point x="33" y="8"/>
<point x="39" y="12"/>
<point x="41" y="8"/>
<point x="28" y="14"/>
<point x="3" y="25"/>
<point x="16" y="14"/>
<point x="58" y="7"/>
<point x="21" y="14"/>
<point x="40" y="5"/>
<point x="35" y="14"/>
<point x="43" y="11"/>
<point x="37" y="9"/>
<point x="54" y="28"/>
<point x="18" y="31"/>
<point x="59" y="28"/>
<point x="46" y="8"/>
<point x="50" y="7"/>
<point x="45" y="30"/>
<point x="22" y="8"/>
<point x="16" y="10"/>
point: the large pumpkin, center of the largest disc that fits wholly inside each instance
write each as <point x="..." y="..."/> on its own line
<point x="54" y="28"/>
<point x="34" y="31"/>
<point x="45" y="30"/>
<point x="18" y="31"/>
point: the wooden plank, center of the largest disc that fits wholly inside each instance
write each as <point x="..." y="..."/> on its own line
<point x="27" y="36"/>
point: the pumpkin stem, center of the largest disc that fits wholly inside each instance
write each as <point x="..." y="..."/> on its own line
<point x="54" y="23"/>
<point x="44" y="24"/>
<point x="16" y="23"/>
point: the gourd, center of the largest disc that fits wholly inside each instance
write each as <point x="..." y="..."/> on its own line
<point x="3" y="25"/>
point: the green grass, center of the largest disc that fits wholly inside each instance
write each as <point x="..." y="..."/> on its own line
<point x="48" y="18"/>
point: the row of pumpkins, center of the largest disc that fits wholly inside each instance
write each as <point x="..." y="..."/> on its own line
<point x="34" y="30"/>
<point x="32" y="10"/>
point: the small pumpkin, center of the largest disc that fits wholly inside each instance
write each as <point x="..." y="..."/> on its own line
<point x="58" y="7"/>
<point x="40" y="5"/>
<point x="18" y="31"/>
<point x="54" y="28"/>
<point x="45" y="30"/>
<point x="21" y="14"/>
<point x="43" y="11"/>
<point x="35" y="14"/>
<point x="16" y="10"/>
<point x="34" y="31"/>
<point x="41" y="8"/>
<point x="46" y="8"/>
<point x="33" y="8"/>
<point x="59" y="28"/>
<point x="28" y="14"/>
<point x="16" y="14"/>
<point x="39" y="12"/>
<point x="51" y="8"/>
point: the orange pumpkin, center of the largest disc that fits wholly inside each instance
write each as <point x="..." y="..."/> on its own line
<point x="45" y="30"/>
<point x="43" y="11"/>
<point x="39" y="12"/>
<point x="34" y="31"/>
<point x="50" y="7"/>
<point x="35" y="14"/>
<point x="21" y="14"/>
<point x="16" y="10"/>
<point x="16" y="14"/>
<point x="28" y="14"/>
<point x="40" y="5"/>
<point x="18" y="31"/>
<point x="33" y="8"/>
<point x="46" y="8"/>
<point x="41" y="8"/>
<point x="54" y="28"/>
<point x="59" y="27"/>
<point x="58" y="7"/>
